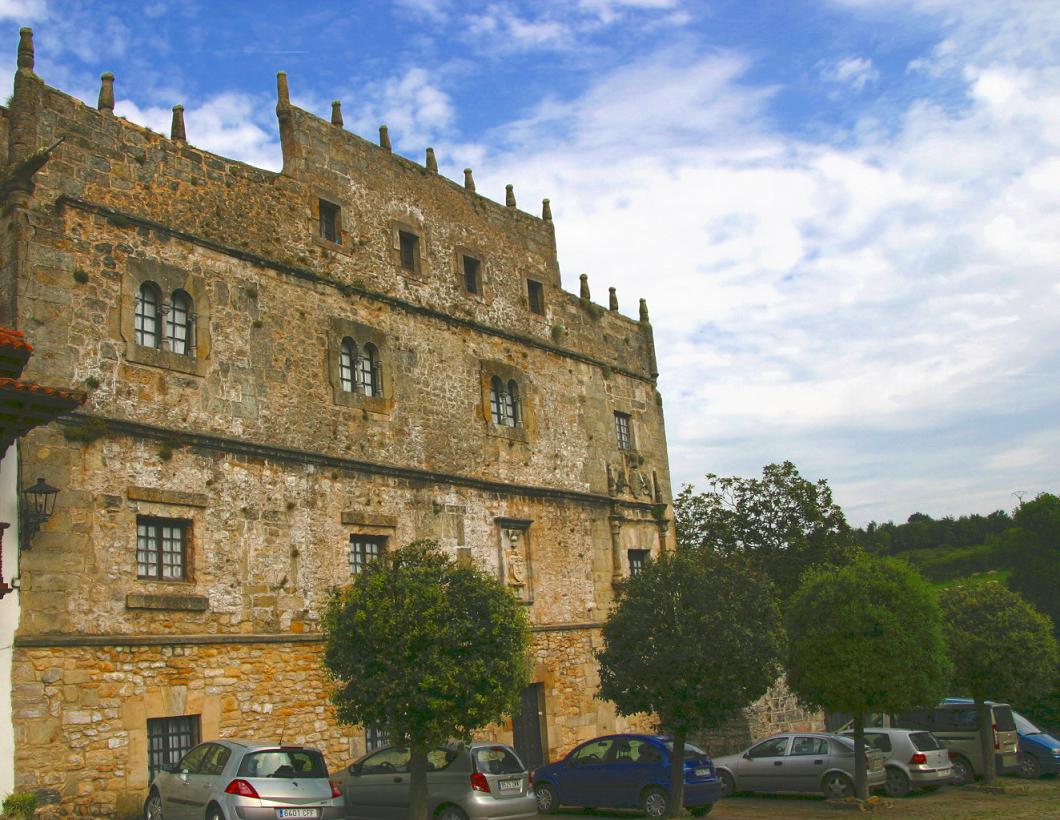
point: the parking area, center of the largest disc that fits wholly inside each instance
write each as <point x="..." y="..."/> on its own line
<point x="1020" y="799"/>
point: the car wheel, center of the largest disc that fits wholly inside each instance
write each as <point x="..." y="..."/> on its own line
<point x="451" y="813"/>
<point x="728" y="785"/>
<point x="547" y="799"/>
<point x="701" y="811"/>
<point x="1030" y="767"/>
<point x="153" y="807"/>
<point x="655" y="803"/>
<point x="214" y="814"/>
<point x="897" y="782"/>
<point x="837" y="784"/>
<point x="963" y="774"/>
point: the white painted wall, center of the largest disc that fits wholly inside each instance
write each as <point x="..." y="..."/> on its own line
<point x="9" y="612"/>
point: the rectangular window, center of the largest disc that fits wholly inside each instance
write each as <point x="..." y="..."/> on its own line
<point x="365" y="548"/>
<point x="623" y="431"/>
<point x="330" y="226"/>
<point x="161" y="548"/>
<point x="376" y="736"/>
<point x="637" y="560"/>
<point x="169" y="739"/>
<point x="409" y="250"/>
<point x="535" y="295"/>
<point x="472" y="282"/>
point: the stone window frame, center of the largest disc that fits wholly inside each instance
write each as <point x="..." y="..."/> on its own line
<point x="329" y="221"/>
<point x="168" y="279"/>
<point x="341" y="243"/>
<point x="460" y="254"/>
<point x="169" y="505"/>
<point x="361" y="334"/>
<point x="624" y="437"/>
<point x="636" y="558"/>
<point x="488" y="371"/>
<point x="189" y="725"/>
<point x="633" y="451"/>
<point x="530" y="283"/>
<point x="415" y="228"/>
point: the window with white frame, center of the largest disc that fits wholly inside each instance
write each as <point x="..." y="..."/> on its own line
<point x="161" y="548"/>
<point x="164" y="323"/>
<point x="505" y="408"/>
<point x="624" y="431"/>
<point x="360" y="368"/>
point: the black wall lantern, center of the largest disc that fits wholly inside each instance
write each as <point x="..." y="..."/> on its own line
<point x="38" y="504"/>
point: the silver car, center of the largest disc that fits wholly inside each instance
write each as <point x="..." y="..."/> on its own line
<point x="480" y="780"/>
<point x="245" y="780"/>
<point x="915" y="760"/>
<point x="798" y="762"/>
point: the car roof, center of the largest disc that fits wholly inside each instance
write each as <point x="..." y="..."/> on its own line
<point x="258" y="745"/>
<point x="890" y="730"/>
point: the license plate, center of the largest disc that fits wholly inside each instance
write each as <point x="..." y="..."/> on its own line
<point x="702" y="772"/>
<point x="297" y="813"/>
<point x="509" y="785"/>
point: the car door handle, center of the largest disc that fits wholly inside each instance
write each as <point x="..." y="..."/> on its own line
<point x="818" y="762"/>
<point x="778" y="762"/>
<point x="397" y="779"/>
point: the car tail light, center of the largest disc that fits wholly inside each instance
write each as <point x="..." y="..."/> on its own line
<point x="479" y="783"/>
<point x="530" y="778"/>
<point x="242" y="788"/>
<point x="918" y="758"/>
<point x="335" y="790"/>
<point x="997" y="745"/>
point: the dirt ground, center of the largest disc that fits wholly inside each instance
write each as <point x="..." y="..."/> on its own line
<point x="1019" y="799"/>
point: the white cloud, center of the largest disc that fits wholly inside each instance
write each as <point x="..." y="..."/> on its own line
<point x="853" y="72"/>
<point x="23" y="11"/>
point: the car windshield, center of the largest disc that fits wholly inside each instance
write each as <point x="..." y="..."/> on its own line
<point x="286" y="764"/>
<point x="1024" y="726"/>
<point x="692" y="751"/>
<point x="924" y="742"/>
<point x="496" y="760"/>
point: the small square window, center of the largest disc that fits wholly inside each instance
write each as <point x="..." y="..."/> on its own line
<point x="409" y="250"/>
<point x="161" y="548"/>
<point x="363" y="549"/>
<point x="169" y="739"/>
<point x="637" y="560"/>
<point x="623" y="431"/>
<point x="472" y="275"/>
<point x="535" y="295"/>
<point x="330" y="224"/>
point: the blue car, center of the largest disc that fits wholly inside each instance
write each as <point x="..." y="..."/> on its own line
<point x="1039" y="751"/>
<point x="626" y="771"/>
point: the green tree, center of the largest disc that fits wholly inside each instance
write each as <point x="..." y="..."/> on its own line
<point x="863" y="638"/>
<point x="781" y="521"/>
<point x="428" y="647"/>
<point x="1032" y="545"/>
<point x="693" y="637"/>
<point x="1002" y="649"/>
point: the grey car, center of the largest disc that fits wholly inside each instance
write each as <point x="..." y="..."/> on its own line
<point x="798" y="762"/>
<point x="245" y="780"/>
<point x="915" y="759"/>
<point x="480" y="780"/>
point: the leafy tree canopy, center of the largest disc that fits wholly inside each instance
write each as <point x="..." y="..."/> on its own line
<point x="693" y="638"/>
<point x="866" y="637"/>
<point x="1032" y="546"/>
<point x="429" y="648"/>
<point x="781" y="522"/>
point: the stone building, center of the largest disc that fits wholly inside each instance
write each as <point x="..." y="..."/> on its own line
<point x="287" y="373"/>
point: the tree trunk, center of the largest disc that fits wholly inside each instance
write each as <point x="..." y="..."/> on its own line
<point x="986" y="740"/>
<point x="677" y="775"/>
<point x="418" y="781"/>
<point x="861" y="775"/>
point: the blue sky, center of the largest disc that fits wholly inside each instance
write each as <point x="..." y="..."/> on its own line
<point x="844" y="214"/>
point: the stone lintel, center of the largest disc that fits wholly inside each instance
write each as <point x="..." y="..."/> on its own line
<point x="363" y="519"/>
<point x="187" y="603"/>
<point x="159" y="496"/>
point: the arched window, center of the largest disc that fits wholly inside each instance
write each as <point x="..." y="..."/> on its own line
<point x="148" y="314"/>
<point x="514" y="410"/>
<point x="368" y="371"/>
<point x="347" y="356"/>
<point x="497" y="401"/>
<point x="180" y="324"/>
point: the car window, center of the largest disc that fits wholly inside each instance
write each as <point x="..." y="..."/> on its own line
<point x="925" y="742"/>
<point x="956" y="720"/>
<point x="592" y="753"/>
<point x="692" y="751"/>
<point x="1003" y="719"/>
<point x="438" y="759"/>
<point x="1024" y="726"/>
<point x="215" y="760"/>
<point x="386" y="761"/>
<point x="878" y="740"/>
<point x="809" y="746"/>
<point x="774" y="747"/>
<point x="284" y="764"/>
<point x="193" y="760"/>
<point x="496" y="760"/>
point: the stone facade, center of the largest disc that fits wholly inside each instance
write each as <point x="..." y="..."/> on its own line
<point x="239" y="432"/>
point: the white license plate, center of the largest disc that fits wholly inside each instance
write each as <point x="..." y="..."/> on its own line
<point x="702" y="772"/>
<point x="508" y="785"/>
<point x="297" y="813"/>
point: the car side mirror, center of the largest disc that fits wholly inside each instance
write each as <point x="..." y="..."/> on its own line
<point x="746" y="755"/>
<point x="355" y="769"/>
<point x="170" y="768"/>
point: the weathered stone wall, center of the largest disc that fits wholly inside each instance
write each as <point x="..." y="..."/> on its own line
<point x="82" y="712"/>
